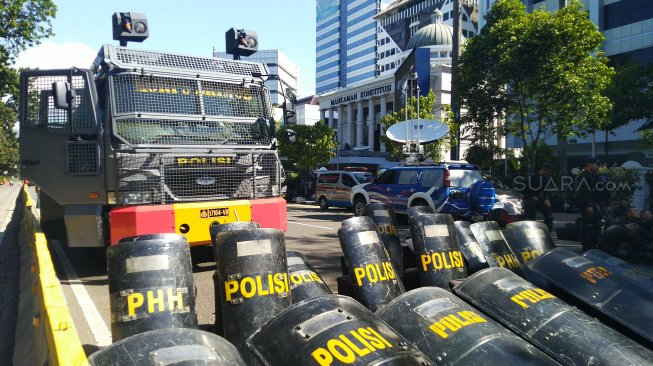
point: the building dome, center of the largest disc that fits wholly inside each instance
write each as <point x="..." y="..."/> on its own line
<point x="435" y="34"/>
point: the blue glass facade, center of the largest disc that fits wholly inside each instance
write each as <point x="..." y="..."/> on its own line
<point x="342" y="26"/>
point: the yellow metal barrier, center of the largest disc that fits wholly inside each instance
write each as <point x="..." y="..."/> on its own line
<point x="53" y="319"/>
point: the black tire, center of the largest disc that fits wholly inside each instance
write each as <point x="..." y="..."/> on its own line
<point x="323" y="203"/>
<point x="359" y="206"/>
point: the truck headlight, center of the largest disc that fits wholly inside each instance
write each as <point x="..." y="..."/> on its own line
<point x="134" y="198"/>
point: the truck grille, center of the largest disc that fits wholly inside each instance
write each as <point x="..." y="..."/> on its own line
<point x="168" y="178"/>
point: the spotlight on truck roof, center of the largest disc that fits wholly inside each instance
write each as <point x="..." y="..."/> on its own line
<point x="241" y="42"/>
<point x="130" y="27"/>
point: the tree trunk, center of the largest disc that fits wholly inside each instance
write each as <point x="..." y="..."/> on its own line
<point x="562" y="155"/>
<point x="605" y="148"/>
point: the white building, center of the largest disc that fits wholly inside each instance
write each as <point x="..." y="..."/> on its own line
<point x="307" y="111"/>
<point x="362" y="105"/>
<point x="279" y="64"/>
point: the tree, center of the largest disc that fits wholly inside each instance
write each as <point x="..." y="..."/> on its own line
<point x="314" y="146"/>
<point x="24" y="24"/>
<point x="432" y="150"/>
<point x="631" y="94"/>
<point x="540" y="72"/>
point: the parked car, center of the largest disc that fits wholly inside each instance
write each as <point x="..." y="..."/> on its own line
<point x="458" y="189"/>
<point x="333" y="188"/>
<point x="508" y="207"/>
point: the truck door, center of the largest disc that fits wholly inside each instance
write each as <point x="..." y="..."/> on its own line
<point x="61" y="151"/>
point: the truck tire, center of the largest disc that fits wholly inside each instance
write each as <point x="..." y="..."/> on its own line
<point x="359" y="206"/>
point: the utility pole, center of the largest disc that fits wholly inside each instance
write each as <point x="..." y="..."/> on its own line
<point x="455" y="54"/>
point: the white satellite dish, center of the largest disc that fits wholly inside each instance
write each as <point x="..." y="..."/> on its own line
<point x="417" y="130"/>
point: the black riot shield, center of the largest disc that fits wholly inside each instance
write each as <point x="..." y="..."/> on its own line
<point x="331" y="330"/>
<point x="214" y="230"/>
<point x="497" y="252"/>
<point x="564" y="332"/>
<point x="451" y="332"/>
<point x="254" y="281"/>
<point x="386" y="223"/>
<point x="150" y="285"/>
<point x="305" y="283"/>
<point x="638" y="276"/>
<point x="439" y="259"/>
<point x="419" y="210"/>
<point x="472" y="252"/>
<point x="598" y="291"/>
<point x="169" y="347"/>
<point x="374" y="279"/>
<point x="529" y="239"/>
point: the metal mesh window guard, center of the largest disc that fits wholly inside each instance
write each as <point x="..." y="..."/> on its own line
<point x="129" y="57"/>
<point x="39" y="106"/>
<point x="167" y="178"/>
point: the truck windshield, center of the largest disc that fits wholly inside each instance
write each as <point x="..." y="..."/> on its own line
<point x="166" y="110"/>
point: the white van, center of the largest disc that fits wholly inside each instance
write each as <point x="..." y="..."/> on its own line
<point x="333" y="188"/>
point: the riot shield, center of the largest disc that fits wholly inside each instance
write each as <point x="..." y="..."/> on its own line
<point x="305" y="283"/>
<point x="419" y="210"/>
<point x="472" y="252"/>
<point x="529" y="239"/>
<point x="385" y="220"/>
<point x="254" y="283"/>
<point x="565" y="333"/>
<point x="169" y="347"/>
<point x="374" y="279"/>
<point x="331" y="330"/>
<point x="439" y="259"/>
<point x="214" y="230"/>
<point x="150" y="285"/>
<point x="451" y="332"/>
<point x="598" y="291"/>
<point x="497" y="252"/>
<point x="637" y="276"/>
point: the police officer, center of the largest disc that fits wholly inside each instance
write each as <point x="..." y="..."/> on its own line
<point x="590" y="203"/>
<point x="537" y="198"/>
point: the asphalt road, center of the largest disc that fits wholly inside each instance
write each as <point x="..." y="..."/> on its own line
<point x="9" y="267"/>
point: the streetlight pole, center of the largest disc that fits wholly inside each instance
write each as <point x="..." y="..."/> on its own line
<point x="455" y="54"/>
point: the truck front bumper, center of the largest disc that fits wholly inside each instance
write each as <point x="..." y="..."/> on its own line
<point x="194" y="219"/>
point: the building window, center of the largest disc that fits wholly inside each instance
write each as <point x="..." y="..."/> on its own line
<point x="464" y="17"/>
<point x="392" y="51"/>
<point x="445" y="16"/>
<point x="382" y="42"/>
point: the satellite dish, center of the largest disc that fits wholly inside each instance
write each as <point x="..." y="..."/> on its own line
<point x="419" y="130"/>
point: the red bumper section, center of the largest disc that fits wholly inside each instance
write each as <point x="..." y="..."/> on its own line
<point x="159" y="219"/>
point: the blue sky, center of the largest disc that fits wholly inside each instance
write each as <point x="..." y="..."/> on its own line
<point x="188" y="26"/>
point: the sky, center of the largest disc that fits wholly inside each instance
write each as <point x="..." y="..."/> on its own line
<point x="192" y="27"/>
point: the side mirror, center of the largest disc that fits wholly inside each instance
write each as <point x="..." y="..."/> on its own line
<point x="290" y="137"/>
<point x="64" y="95"/>
<point x="375" y="180"/>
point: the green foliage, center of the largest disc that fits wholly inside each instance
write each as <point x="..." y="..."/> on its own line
<point x="540" y="72"/>
<point x="625" y="181"/>
<point x="483" y="156"/>
<point x="631" y="95"/>
<point x="314" y="145"/>
<point x="432" y="150"/>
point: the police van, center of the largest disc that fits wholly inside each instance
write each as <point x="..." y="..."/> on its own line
<point x="333" y="188"/>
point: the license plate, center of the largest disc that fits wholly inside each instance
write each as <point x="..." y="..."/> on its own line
<point x="214" y="212"/>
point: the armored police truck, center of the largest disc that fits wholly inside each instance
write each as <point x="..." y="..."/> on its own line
<point x="150" y="142"/>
